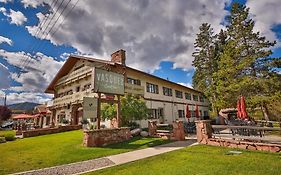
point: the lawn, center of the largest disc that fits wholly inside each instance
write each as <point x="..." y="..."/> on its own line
<point x="202" y="160"/>
<point x="55" y="149"/>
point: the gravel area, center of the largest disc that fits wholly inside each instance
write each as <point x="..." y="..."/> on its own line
<point x="72" y="168"/>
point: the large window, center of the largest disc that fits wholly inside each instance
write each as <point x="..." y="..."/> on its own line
<point x="153" y="113"/>
<point x="167" y="91"/>
<point x="181" y="113"/>
<point x="188" y="96"/>
<point x="201" y="98"/>
<point x="152" y="88"/>
<point x="178" y="94"/>
<point x="195" y="97"/>
<point x="133" y="81"/>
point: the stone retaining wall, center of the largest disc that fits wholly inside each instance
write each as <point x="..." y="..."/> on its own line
<point x="204" y="136"/>
<point x="101" y="137"/>
<point x="44" y="131"/>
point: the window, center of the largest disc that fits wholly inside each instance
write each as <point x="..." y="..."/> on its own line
<point x="178" y="94"/>
<point x="188" y="96"/>
<point x="70" y="92"/>
<point x="206" y="113"/>
<point x="133" y="81"/>
<point x="152" y="88"/>
<point x="201" y="98"/>
<point x="87" y="86"/>
<point x="195" y="97"/>
<point x="153" y="114"/>
<point x="181" y="113"/>
<point x="77" y="88"/>
<point x="167" y="91"/>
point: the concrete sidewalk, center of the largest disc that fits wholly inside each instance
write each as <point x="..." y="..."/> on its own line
<point x="109" y="161"/>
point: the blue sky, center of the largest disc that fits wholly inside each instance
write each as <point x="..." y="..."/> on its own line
<point x="158" y="37"/>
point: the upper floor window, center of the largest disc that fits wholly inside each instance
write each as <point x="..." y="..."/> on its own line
<point x="87" y="86"/>
<point x="178" y="94"/>
<point x="195" y="97"/>
<point x="167" y="91"/>
<point x="77" y="88"/>
<point x="152" y="88"/>
<point x="187" y="96"/>
<point x="133" y="81"/>
<point x="201" y="98"/>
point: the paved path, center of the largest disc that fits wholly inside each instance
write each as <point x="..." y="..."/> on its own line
<point x="109" y="161"/>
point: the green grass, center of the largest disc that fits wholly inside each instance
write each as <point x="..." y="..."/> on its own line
<point x="55" y="149"/>
<point x="202" y="160"/>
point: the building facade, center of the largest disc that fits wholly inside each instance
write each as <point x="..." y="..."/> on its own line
<point x="165" y="100"/>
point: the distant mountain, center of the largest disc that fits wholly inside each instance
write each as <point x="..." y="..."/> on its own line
<point x="26" y="106"/>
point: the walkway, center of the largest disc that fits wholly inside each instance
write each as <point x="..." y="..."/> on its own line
<point x="109" y="161"/>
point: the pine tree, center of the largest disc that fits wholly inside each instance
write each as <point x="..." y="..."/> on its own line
<point x="205" y="62"/>
<point x="255" y="71"/>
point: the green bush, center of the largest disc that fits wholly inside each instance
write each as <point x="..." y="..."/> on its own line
<point x="2" y="140"/>
<point x="10" y="137"/>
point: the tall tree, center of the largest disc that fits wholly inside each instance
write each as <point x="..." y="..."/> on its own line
<point x="5" y="113"/>
<point x="206" y="56"/>
<point x="254" y="71"/>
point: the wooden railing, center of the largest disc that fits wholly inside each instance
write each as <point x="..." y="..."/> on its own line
<point x="254" y="133"/>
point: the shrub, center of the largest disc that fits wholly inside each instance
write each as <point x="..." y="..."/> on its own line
<point x="10" y="137"/>
<point x="2" y="140"/>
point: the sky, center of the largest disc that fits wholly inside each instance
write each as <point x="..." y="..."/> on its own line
<point x="37" y="36"/>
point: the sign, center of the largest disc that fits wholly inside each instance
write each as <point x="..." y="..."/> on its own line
<point x="108" y="82"/>
<point x="90" y="106"/>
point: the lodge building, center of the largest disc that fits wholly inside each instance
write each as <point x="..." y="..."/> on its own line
<point x="165" y="100"/>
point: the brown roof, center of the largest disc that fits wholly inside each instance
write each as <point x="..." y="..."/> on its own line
<point x="70" y="62"/>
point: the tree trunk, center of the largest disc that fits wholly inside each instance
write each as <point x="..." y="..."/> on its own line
<point x="265" y="112"/>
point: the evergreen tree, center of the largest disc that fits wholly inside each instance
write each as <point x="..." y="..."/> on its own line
<point x="206" y="55"/>
<point x="253" y="70"/>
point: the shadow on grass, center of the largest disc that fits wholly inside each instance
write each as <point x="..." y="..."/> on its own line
<point x="138" y="142"/>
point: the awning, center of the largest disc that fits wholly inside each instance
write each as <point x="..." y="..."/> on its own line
<point x="24" y="116"/>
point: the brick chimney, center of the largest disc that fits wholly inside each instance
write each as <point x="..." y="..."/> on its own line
<point x="119" y="57"/>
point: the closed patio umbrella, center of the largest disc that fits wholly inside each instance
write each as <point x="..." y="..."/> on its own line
<point x="197" y="115"/>
<point x="244" y="114"/>
<point x="187" y="113"/>
<point x="239" y="108"/>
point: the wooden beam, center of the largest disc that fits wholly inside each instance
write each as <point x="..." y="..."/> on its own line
<point x="99" y="111"/>
<point x="118" y="111"/>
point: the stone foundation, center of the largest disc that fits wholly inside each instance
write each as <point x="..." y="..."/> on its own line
<point x="102" y="137"/>
<point x="44" y="131"/>
<point x="204" y="136"/>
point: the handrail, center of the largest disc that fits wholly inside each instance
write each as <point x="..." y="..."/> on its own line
<point x="245" y="127"/>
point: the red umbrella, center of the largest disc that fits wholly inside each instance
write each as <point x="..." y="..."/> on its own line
<point x="187" y="113"/>
<point x="239" y="108"/>
<point x="244" y="114"/>
<point x="197" y="111"/>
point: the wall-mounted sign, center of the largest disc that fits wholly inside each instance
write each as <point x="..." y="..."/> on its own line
<point x="134" y="89"/>
<point x="108" y="82"/>
<point x="90" y="106"/>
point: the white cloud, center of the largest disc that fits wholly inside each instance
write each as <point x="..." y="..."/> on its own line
<point x="36" y="75"/>
<point x="32" y="3"/>
<point x="4" y="77"/>
<point x="186" y="84"/>
<point x="5" y="40"/>
<point x="6" y="1"/>
<point x="15" y="17"/>
<point x="149" y="31"/>
<point x="266" y="14"/>
<point x="16" y="97"/>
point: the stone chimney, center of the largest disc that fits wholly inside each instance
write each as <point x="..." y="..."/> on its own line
<point x="119" y="57"/>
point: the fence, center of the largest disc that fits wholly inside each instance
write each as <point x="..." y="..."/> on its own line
<point x="245" y="137"/>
